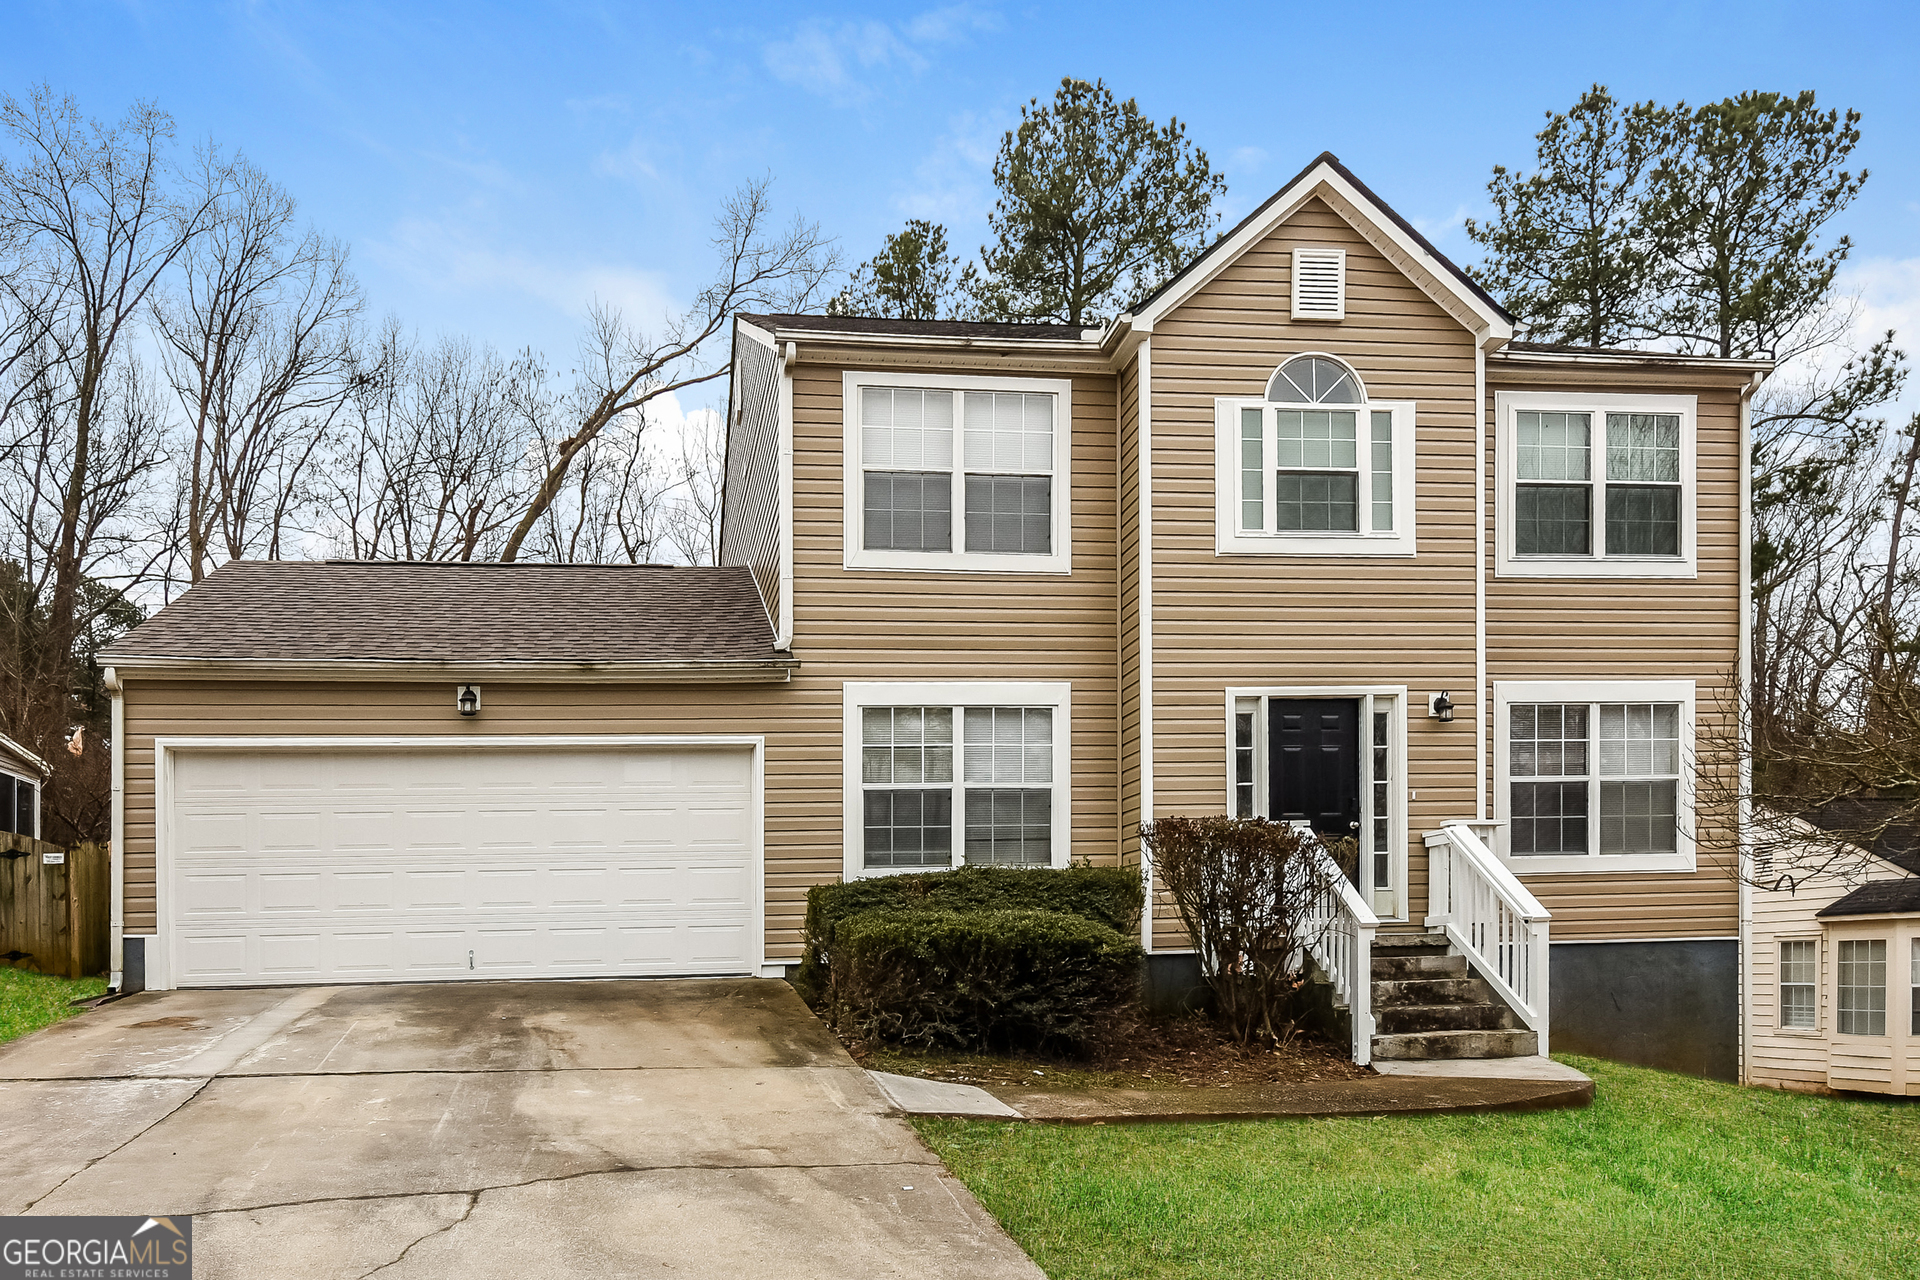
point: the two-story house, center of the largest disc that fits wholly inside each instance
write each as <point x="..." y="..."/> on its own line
<point x="1306" y="534"/>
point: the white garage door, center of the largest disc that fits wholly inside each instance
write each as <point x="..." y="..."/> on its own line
<point x="407" y="866"/>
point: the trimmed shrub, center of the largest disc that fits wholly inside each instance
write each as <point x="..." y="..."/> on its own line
<point x="1110" y="896"/>
<point x="978" y="979"/>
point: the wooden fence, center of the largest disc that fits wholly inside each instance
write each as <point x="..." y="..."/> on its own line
<point x="53" y="914"/>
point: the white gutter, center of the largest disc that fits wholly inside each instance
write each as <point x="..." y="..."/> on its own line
<point x="783" y="626"/>
<point x="1040" y="346"/>
<point x="1743" y="721"/>
<point x="746" y="671"/>
<point x="1145" y="428"/>
<point x="117" y="831"/>
<point x="1508" y="355"/>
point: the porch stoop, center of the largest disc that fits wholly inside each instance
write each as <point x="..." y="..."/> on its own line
<point x="1429" y="1004"/>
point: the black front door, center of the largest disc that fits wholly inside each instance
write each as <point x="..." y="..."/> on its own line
<point x="1314" y="749"/>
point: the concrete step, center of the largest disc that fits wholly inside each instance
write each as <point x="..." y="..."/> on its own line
<point x="1431" y="991"/>
<point x="1407" y="1019"/>
<point x="1410" y="943"/>
<point x="1429" y="1045"/>
<point x="1386" y="968"/>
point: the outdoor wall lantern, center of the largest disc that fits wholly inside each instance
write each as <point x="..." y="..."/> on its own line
<point x="467" y="698"/>
<point x="1440" y="706"/>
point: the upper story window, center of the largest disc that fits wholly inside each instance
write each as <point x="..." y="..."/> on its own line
<point x="1591" y="776"/>
<point x="1315" y="467"/>
<point x="1595" y="485"/>
<point x="956" y="473"/>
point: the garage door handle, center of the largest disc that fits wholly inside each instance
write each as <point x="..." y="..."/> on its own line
<point x="469" y="960"/>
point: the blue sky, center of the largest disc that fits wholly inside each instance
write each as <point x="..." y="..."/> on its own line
<point x="496" y="167"/>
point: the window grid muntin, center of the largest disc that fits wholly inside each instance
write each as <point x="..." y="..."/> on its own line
<point x="1354" y="459"/>
<point x="995" y="782"/>
<point x="1799" y="984"/>
<point x="1636" y="501"/>
<point x="1380" y="777"/>
<point x="1913" y="978"/>
<point x="1011" y="433"/>
<point x="1861" y="971"/>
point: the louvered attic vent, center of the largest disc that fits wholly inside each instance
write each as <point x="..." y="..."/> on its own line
<point x="1319" y="284"/>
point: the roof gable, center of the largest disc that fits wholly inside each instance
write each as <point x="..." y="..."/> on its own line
<point x="1390" y="234"/>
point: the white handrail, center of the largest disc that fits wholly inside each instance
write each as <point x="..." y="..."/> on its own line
<point x="1340" y="927"/>
<point x="1491" y="917"/>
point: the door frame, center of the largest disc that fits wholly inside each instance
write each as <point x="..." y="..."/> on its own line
<point x="1372" y="698"/>
<point x="160" y="959"/>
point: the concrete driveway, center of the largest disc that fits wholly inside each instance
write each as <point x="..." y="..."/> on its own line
<point x="669" y="1128"/>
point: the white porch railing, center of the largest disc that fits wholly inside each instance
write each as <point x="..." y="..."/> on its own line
<point x="1340" y="928"/>
<point x="1489" y="915"/>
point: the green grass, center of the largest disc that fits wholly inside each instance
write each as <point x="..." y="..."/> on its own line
<point x="1664" y="1175"/>
<point x="30" y="1001"/>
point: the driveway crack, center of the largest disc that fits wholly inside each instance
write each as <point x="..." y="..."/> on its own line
<point x="473" y="1198"/>
<point x="183" y="1103"/>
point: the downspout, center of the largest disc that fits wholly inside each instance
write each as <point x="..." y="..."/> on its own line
<point x="783" y="627"/>
<point x="1482" y="696"/>
<point x="117" y="830"/>
<point x="1744" y="721"/>
<point x="1145" y="392"/>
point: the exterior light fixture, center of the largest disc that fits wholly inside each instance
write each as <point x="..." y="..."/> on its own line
<point x="467" y="698"/>
<point x="1440" y="706"/>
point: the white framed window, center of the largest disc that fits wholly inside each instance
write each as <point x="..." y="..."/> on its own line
<point x="1594" y="775"/>
<point x="19" y="805"/>
<point x="955" y="773"/>
<point x="1380" y="771"/>
<point x="1319" y="283"/>
<point x="1913" y="975"/>
<point x="1799" y="984"/>
<point x="1595" y="485"/>
<point x="957" y="472"/>
<point x="1314" y="467"/>
<point x="1861" y="971"/>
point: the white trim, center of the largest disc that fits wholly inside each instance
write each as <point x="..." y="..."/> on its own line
<point x="1598" y="564"/>
<point x="783" y="628"/>
<point x="1398" y="821"/>
<point x="771" y="671"/>
<point x="160" y="956"/>
<point x="117" y="830"/>
<point x="1145" y="605"/>
<point x="1333" y="253"/>
<point x="1492" y="328"/>
<point x="1056" y="695"/>
<point x="1507" y="692"/>
<point x="1230" y="541"/>
<point x="856" y="556"/>
<point x="1481" y="693"/>
<point x="15" y="748"/>
<point x="1743" y="666"/>
<point x="1607" y="942"/>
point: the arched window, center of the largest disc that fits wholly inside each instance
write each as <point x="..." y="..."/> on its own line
<point x="1316" y="466"/>
<point x="1315" y="380"/>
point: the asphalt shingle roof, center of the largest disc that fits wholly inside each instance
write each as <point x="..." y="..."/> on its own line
<point x="331" y="610"/>
<point x="920" y="328"/>
<point x="1877" y="898"/>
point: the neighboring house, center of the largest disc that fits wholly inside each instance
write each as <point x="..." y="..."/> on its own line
<point x="1834" y="1001"/>
<point x="22" y="774"/>
<point x="1307" y="534"/>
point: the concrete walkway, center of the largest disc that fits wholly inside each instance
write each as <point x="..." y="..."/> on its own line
<point x="523" y="1130"/>
<point x="1401" y="1088"/>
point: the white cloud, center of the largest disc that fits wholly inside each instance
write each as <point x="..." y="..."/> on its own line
<point x="845" y="62"/>
<point x="1888" y="290"/>
<point x="953" y="183"/>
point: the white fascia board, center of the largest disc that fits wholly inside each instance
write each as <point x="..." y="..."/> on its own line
<point x="775" y="671"/>
<point x="1495" y="329"/>
<point x="14" y="748"/>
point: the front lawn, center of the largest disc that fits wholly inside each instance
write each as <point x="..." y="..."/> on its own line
<point x="1663" y="1175"/>
<point x="30" y="1001"/>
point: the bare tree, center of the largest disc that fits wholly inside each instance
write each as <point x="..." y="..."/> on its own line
<point x="622" y="368"/>
<point x="256" y="337"/>
<point x="693" y="516"/>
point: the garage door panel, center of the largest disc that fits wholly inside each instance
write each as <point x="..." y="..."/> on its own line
<point x="461" y="864"/>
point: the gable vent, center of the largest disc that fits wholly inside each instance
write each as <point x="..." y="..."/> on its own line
<point x="1319" y="284"/>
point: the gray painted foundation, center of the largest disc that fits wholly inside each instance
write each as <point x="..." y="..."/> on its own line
<point x="133" y="964"/>
<point x="1673" y="1005"/>
<point x="1173" y="984"/>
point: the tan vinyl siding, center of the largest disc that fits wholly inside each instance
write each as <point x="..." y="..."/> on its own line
<point x="1636" y="629"/>
<point x="750" y="522"/>
<point x="860" y="625"/>
<point x="1298" y="621"/>
<point x="1129" y="568"/>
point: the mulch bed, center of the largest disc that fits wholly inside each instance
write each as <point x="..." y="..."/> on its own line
<point x="1135" y="1052"/>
